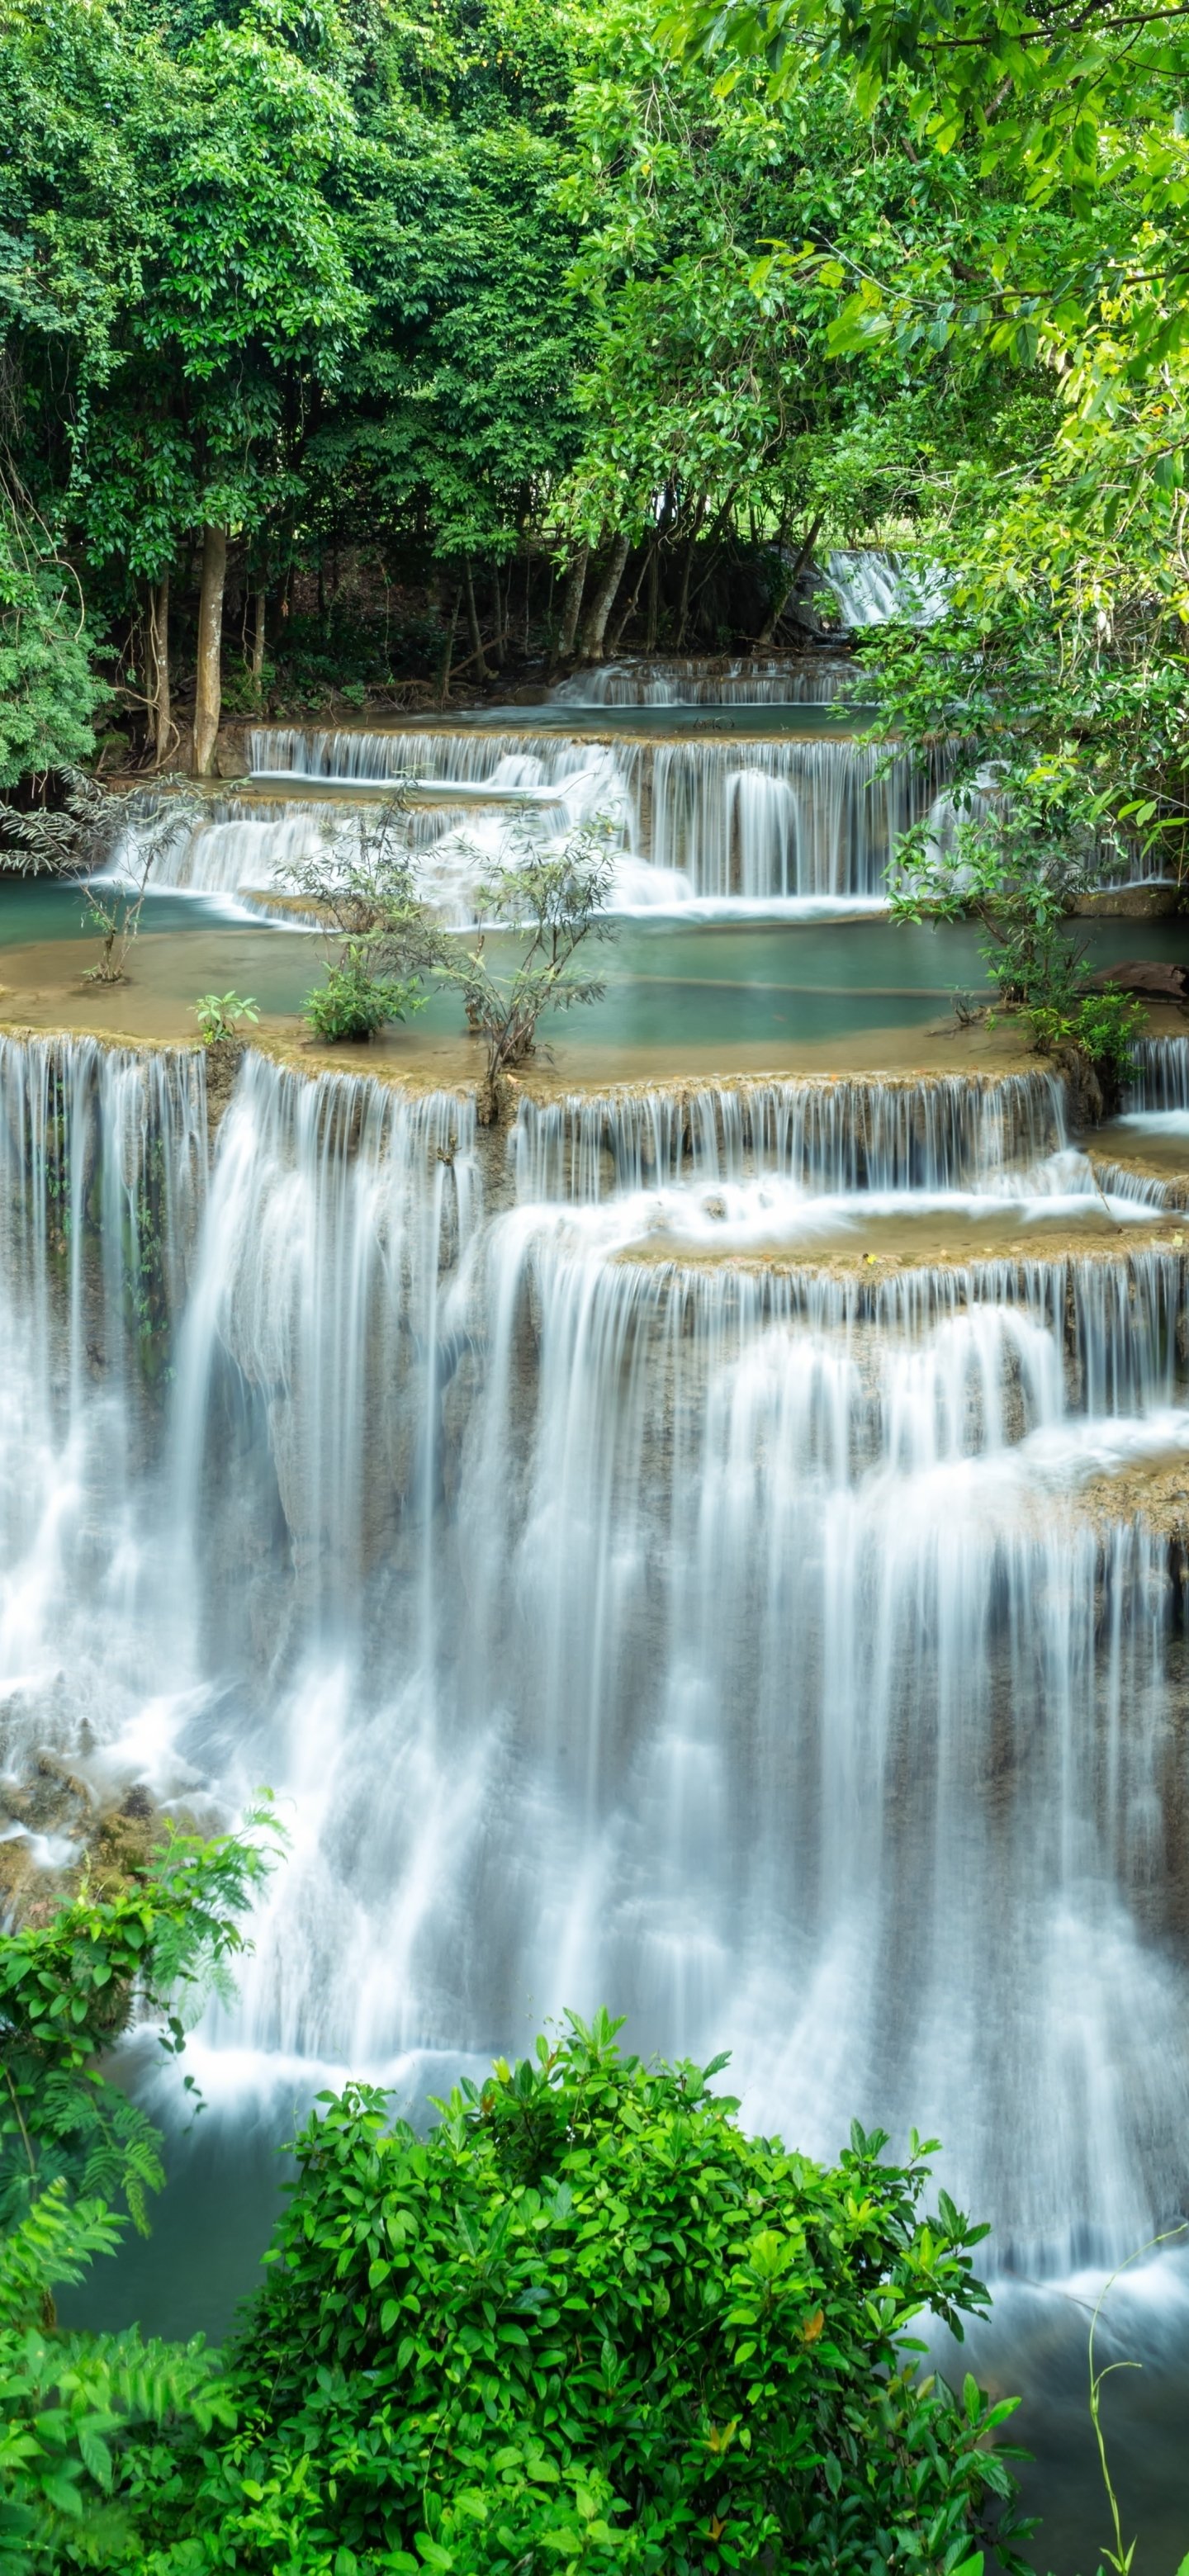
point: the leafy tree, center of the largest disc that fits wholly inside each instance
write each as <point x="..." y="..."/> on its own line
<point x="722" y="407"/>
<point x="48" y="691"/>
<point x="589" y="2321"/>
<point x="1062" y="527"/>
<point x="558" y="898"/>
<point x="381" y="943"/>
<point x="189" y="185"/>
<point x="456" y="413"/>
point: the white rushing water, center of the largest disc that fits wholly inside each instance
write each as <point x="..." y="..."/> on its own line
<point x="625" y="1603"/>
<point x="869" y="587"/>
<point x="695" y="824"/>
<point x="808" y="680"/>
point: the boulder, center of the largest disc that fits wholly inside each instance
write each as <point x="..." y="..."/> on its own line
<point x="1142" y="975"/>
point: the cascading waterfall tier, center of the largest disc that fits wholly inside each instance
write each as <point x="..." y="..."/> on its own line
<point x="1161" y="1079"/>
<point x="838" y="1133"/>
<point x="103" y="1162"/>
<point x="780" y="1654"/>
<point x="760" y="820"/>
<point x="870" y="586"/>
<point x="813" y="680"/>
<point x="721" y="822"/>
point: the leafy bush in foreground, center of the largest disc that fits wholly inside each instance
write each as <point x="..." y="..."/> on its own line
<point x="76" y="2409"/>
<point x="588" y="2322"/>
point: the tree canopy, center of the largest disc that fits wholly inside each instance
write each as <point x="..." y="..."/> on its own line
<point x="351" y="347"/>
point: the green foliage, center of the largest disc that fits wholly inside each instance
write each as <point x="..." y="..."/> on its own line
<point x="587" y="2320"/>
<point x="71" y="2403"/>
<point x="351" y="1004"/>
<point x="716" y="381"/>
<point x="222" y="1015"/>
<point x="74" y="2406"/>
<point x="559" y="898"/>
<point x="69" y="1987"/>
<point x="1062" y="143"/>
<point x="381" y="942"/>
<point x="71" y="832"/>
<point x="48" y="692"/>
<point x="1018" y="870"/>
<point x="1103" y="1025"/>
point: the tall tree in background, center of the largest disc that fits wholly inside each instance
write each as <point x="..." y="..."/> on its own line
<point x="179" y="283"/>
<point x="719" y="405"/>
<point x="1064" y="652"/>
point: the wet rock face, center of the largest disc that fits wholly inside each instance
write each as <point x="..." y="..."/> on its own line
<point x="1087" y="1101"/>
<point x="56" y="1822"/>
<point x="222" y="1061"/>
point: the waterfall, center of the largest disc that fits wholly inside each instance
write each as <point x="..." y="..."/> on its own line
<point x="838" y="1134"/>
<point x="334" y="1207"/>
<point x="764" y="821"/>
<point x="810" y="681"/>
<point x="870" y="587"/>
<point x="102" y="1176"/>
<point x="770" y="1643"/>
<point x="469" y="757"/>
<point x="1161" y="1081"/>
<point x="973" y="802"/>
<point x="235" y="847"/>
<point x="780" y="818"/>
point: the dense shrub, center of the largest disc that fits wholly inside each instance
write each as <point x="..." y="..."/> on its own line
<point x="588" y="2321"/>
<point x="351" y="1004"/>
<point x="48" y="692"/>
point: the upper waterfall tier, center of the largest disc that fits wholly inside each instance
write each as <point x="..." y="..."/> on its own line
<point x="778" y="1651"/>
<point x="718" y="821"/>
<point x="811" y="680"/>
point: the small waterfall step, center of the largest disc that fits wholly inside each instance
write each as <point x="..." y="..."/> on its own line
<point x="807" y="680"/>
<point x="841" y="1132"/>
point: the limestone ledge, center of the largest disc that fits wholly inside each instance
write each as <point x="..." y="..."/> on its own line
<point x="1005" y="1266"/>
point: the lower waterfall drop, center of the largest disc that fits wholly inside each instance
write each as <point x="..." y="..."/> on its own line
<point x="770" y="1645"/>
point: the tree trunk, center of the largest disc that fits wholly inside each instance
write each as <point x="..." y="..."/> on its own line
<point x="159" y="695"/>
<point x="615" y="638"/>
<point x="687" y="573"/>
<point x="603" y="602"/>
<point x="208" y="694"/>
<point x="448" y="655"/>
<point x="652" y="629"/>
<point x="258" y="632"/>
<point x="776" y="612"/>
<point x="498" y="605"/>
<point x="481" y="670"/>
<point x="571" y="608"/>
